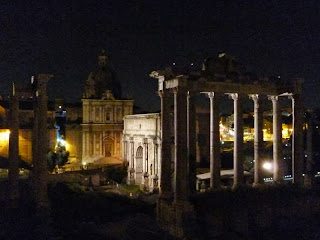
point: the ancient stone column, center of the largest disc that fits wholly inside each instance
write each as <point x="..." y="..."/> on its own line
<point x="145" y="177"/>
<point x="145" y="154"/>
<point x="258" y="138"/>
<point x="13" y="173"/>
<point x="155" y="149"/>
<point x="297" y="139"/>
<point x="238" y="140"/>
<point x="277" y="141"/>
<point x="165" y="184"/>
<point x="198" y="152"/>
<point x="155" y="177"/>
<point x="215" y="161"/>
<point x="125" y="150"/>
<point x="42" y="138"/>
<point x="131" y="152"/>
<point x="191" y="141"/>
<point x="308" y="179"/>
<point x="35" y="142"/>
<point x="181" y="183"/>
<point x="131" y="166"/>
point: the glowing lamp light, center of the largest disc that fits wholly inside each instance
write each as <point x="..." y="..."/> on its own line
<point x="84" y="166"/>
<point x="4" y="136"/>
<point x="267" y="166"/>
<point x="62" y="142"/>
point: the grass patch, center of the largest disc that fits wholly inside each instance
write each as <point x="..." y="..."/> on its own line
<point x="134" y="189"/>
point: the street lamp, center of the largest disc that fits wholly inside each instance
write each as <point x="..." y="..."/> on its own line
<point x="267" y="166"/>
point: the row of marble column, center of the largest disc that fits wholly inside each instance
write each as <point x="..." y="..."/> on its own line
<point x="184" y="141"/>
<point x="40" y="143"/>
<point x="184" y="145"/>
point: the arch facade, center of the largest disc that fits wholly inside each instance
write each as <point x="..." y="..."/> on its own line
<point x="141" y="144"/>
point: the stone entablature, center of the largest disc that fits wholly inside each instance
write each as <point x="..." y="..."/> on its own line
<point x="259" y="87"/>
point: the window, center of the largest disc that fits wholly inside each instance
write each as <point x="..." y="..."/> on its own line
<point x="108" y="115"/>
<point x="97" y="114"/>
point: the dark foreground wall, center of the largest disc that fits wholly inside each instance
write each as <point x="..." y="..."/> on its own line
<point x="268" y="213"/>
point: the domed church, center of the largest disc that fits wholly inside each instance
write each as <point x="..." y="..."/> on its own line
<point x="102" y="79"/>
<point x="102" y="113"/>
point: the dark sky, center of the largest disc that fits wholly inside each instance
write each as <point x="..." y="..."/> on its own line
<point x="65" y="37"/>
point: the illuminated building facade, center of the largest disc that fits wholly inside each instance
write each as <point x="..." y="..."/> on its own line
<point x="141" y="149"/>
<point x="26" y="121"/>
<point x="94" y="129"/>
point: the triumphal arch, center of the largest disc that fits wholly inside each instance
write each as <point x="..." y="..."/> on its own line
<point x="217" y="78"/>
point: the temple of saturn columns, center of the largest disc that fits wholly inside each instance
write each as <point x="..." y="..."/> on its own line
<point x="181" y="89"/>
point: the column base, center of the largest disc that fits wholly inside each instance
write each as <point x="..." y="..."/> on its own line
<point x="132" y="182"/>
<point x="166" y="196"/>
<point x="175" y="217"/>
<point x="277" y="183"/>
<point x="238" y="186"/>
<point x="215" y="188"/>
<point x="256" y="185"/>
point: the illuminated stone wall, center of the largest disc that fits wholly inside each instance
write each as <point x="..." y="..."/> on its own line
<point x="25" y="143"/>
<point x="74" y="142"/>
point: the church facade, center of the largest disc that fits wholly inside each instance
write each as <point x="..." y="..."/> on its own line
<point x="101" y="122"/>
<point x="102" y="128"/>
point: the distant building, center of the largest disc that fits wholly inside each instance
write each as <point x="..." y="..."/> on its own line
<point x="141" y="142"/>
<point x="26" y="121"/>
<point x="94" y="129"/>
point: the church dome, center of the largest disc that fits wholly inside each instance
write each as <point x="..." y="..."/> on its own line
<point x="102" y="80"/>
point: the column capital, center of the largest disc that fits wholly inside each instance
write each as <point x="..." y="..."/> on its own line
<point x="191" y="94"/>
<point x="234" y="96"/>
<point x="290" y="96"/>
<point x="210" y="94"/>
<point x="256" y="100"/>
<point x="273" y="98"/>
<point x="254" y="97"/>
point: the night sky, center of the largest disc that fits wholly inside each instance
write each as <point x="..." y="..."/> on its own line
<point x="64" y="38"/>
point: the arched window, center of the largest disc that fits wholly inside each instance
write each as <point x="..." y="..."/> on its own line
<point x="139" y="160"/>
<point x="139" y="152"/>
